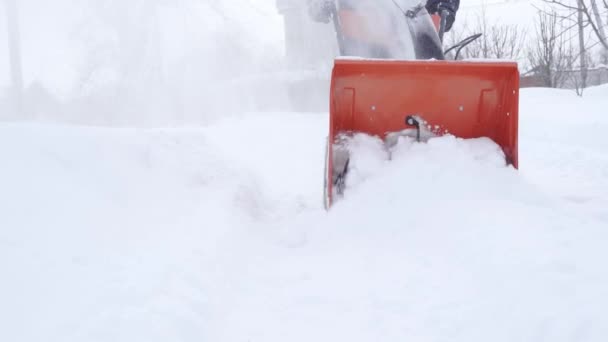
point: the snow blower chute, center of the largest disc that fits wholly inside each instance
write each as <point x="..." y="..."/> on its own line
<point x="427" y="94"/>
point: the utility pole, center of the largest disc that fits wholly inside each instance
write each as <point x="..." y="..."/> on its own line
<point x="14" y="48"/>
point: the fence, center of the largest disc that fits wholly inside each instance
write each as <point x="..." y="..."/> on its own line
<point x="572" y="79"/>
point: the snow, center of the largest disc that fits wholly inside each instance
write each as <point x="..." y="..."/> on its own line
<point x="416" y="163"/>
<point x="101" y="62"/>
<point x="133" y="210"/>
<point x="566" y="144"/>
<point x="218" y="232"/>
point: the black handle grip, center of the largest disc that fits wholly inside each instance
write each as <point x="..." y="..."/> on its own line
<point x="442" y="24"/>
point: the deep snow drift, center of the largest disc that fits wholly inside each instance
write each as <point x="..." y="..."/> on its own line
<point x="217" y="233"/>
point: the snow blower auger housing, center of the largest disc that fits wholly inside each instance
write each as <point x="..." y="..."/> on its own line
<point x="383" y="97"/>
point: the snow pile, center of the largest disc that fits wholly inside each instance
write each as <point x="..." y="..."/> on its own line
<point x="564" y="146"/>
<point x="218" y="233"/>
<point x="118" y="234"/>
<point x="441" y="241"/>
<point x="371" y="157"/>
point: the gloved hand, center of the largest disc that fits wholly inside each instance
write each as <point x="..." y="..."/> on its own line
<point x="451" y="6"/>
<point x="320" y="10"/>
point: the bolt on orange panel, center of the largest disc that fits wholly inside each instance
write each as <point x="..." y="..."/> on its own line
<point x="466" y="99"/>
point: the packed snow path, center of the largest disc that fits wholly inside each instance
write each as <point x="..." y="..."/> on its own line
<point x="218" y="233"/>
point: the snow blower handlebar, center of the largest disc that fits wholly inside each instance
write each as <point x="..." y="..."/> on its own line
<point x="337" y="27"/>
<point x="444" y="17"/>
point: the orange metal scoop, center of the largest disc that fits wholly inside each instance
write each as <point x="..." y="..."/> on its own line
<point x="462" y="98"/>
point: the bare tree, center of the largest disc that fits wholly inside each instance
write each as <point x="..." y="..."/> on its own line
<point x="571" y="72"/>
<point x="497" y="41"/>
<point x="585" y="16"/>
<point x="598" y="18"/>
<point x="14" y="49"/>
<point x="549" y="57"/>
<point x="602" y="31"/>
<point x="581" y="44"/>
<point x="594" y="21"/>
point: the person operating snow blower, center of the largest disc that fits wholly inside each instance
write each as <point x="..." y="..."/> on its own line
<point x="374" y="29"/>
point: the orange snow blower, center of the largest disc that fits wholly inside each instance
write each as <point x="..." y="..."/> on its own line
<point x="427" y="94"/>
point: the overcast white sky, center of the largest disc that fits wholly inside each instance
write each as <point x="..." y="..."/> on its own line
<point x="52" y="32"/>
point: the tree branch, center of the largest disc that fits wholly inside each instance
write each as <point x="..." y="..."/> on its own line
<point x="554" y="2"/>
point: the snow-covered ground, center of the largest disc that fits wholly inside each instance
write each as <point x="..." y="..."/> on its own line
<point x="217" y="233"/>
